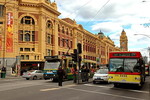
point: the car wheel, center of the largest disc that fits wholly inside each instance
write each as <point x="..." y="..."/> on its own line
<point x="27" y="78"/>
<point x="35" y="77"/>
<point x="116" y="84"/>
<point x="94" y="82"/>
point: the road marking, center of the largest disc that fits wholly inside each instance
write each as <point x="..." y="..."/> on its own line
<point x="107" y="94"/>
<point x="97" y="86"/>
<point x="118" y="88"/>
<point x="139" y="91"/>
<point x="50" y="89"/>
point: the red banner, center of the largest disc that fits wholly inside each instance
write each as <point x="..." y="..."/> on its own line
<point x="0" y="42"/>
<point x="9" y="35"/>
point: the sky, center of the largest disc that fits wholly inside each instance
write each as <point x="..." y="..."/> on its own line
<point x="111" y="17"/>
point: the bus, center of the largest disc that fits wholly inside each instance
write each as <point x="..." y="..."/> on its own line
<point x="126" y="68"/>
<point x="147" y="70"/>
<point x="52" y="63"/>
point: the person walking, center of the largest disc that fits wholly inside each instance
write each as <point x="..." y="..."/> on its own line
<point x="73" y="70"/>
<point x="61" y="74"/>
<point x="83" y="73"/>
<point x="87" y="74"/>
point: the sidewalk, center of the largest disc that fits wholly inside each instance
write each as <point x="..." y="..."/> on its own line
<point x="11" y="77"/>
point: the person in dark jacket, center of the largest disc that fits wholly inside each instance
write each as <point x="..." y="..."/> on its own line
<point x="60" y="73"/>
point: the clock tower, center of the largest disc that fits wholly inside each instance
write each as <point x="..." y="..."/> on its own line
<point x="123" y="41"/>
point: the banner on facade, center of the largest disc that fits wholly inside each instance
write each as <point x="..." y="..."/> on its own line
<point x="0" y="42"/>
<point x="9" y="35"/>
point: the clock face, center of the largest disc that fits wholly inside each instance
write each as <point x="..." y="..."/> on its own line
<point x="123" y="42"/>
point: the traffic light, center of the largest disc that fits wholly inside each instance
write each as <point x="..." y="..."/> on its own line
<point x="75" y="56"/>
<point x="79" y="46"/>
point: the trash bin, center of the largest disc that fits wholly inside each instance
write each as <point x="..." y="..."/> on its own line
<point x="3" y="72"/>
<point x="3" y="75"/>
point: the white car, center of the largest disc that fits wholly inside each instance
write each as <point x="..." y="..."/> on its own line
<point x="101" y="75"/>
<point x="33" y="74"/>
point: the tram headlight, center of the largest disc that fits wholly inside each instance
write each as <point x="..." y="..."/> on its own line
<point x="110" y="77"/>
<point x="137" y="78"/>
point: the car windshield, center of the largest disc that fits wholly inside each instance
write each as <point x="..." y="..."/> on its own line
<point x="124" y="65"/>
<point x="102" y="71"/>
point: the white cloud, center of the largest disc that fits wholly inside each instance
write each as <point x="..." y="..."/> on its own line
<point x="111" y="16"/>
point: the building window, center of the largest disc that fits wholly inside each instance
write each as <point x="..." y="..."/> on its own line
<point x="71" y="44"/>
<point x="63" y="29"/>
<point x="21" y="35"/>
<point x="63" y="42"/>
<point x="58" y="41"/>
<point x="1" y="10"/>
<point x="33" y="35"/>
<point x="22" y="57"/>
<point x="49" y="24"/>
<point x="70" y="32"/>
<point x="29" y="34"/>
<point x="27" y="37"/>
<point x="67" y="32"/>
<point x="27" y="49"/>
<point x="58" y="28"/>
<point x="21" y="49"/>
<point x="48" y="52"/>
<point x="35" y="57"/>
<point x="33" y="49"/>
<point x="49" y="39"/>
<point x="27" y="57"/>
<point x="27" y="20"/>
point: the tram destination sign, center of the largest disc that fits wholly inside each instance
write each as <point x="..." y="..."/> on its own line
<point x="124" y="54"/>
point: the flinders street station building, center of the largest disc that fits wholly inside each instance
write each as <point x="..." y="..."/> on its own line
<point x="31" y="29"/>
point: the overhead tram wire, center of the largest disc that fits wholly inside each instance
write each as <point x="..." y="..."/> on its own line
<point x="79" y="8"/>
<point x="98" y="12"/>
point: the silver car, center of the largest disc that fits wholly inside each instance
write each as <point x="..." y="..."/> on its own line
<point x="100" y="75"/>
<point x="33" y="74"/>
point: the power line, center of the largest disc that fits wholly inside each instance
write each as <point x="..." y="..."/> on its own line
<point x="98" y="11"/>
<point x="80" y="8"/>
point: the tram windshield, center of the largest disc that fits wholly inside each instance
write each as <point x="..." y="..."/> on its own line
<point x="124" y="65"/>
<point x="52" y="64"/>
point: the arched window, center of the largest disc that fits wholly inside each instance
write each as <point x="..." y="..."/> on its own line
<point x="27" y="34"/>
<point x="27" y="20"/>
<point x="49" y="32"/>
<point x="49" y="24"/>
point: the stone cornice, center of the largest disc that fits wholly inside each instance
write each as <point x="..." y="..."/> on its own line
<point x="41" y="5"/>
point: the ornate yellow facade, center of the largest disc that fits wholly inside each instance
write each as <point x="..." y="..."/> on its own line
<point x="31" y="29"/>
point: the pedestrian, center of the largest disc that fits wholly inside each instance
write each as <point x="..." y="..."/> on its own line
<point x="87" y="74"/>
<point x="83" y="73"/>
<point x="73" y="71"/>
<point x="61" y="74"/>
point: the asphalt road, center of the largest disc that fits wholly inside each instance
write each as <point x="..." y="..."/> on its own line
<point x="21" y="89"/>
